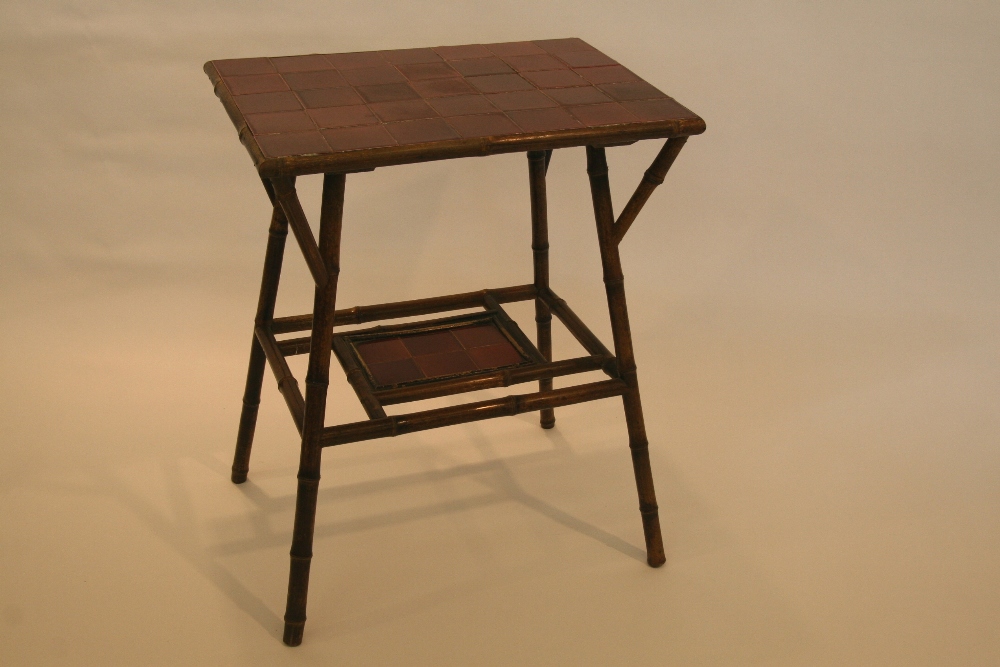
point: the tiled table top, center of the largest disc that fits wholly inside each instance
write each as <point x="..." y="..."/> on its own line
<point x="303" y="114"/>
<point x="437" y="354"/>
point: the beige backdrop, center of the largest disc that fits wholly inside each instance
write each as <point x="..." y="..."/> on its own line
<point x="814" y="302"/>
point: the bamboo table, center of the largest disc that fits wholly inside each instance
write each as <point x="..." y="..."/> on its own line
<point x="337" y="114"/>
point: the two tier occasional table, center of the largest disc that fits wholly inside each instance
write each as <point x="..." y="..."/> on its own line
<point x="336" y="114"/>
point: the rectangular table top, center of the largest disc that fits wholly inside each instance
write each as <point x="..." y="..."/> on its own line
<point x="347" y="112"/>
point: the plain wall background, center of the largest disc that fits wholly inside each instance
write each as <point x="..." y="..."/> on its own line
<point x="813" y="295"/>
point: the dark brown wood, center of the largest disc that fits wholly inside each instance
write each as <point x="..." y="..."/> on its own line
<point x="255" y="373"/>
<point x="650" y="181"/>
<point x="614" y="283"/>
<point x="538" y="163"/>
<point x="287" y="384"/>
<point x="513" y="329"/>
<point x="388" y="311"/>
<point x="284" y="191"/>
<point x="317" y="382"/>
<point x="590" y="342"/>
<point x="461" y="414"/>
<point x="356" y="376"/>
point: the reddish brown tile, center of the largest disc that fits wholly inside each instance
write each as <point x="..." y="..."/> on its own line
<point x="431" y="343"/>
<point x="264" y="102"/>
<point x="409" y="56"/>
<point x="256" y="83"/>
<point x="395" y="372"/>
<point x="586" y="59"/>
<point x="300" y="63"/>
<point x="328" y="78"/>
<point x="479" y="335"/>
<point x="292" y="143"/>
<point x="344" y="61"/>
<point x="631" y="90"/>
<point x="515" y="49"/>
<point x="421" y="131"/>
<point x="662" y="109"/>
<point x="356" y="138"/>
<point x="520" y="99"/>
<point x="445" y="363"/>
<point x="544" y="120"/>
<point x="422" y="71"/>
<point x="579" y="95"/>
<point x="557" y="78"/>
<point x="343" y="116"/>
<point x="329" y="97"/>
<point x="462" y="52"/>
<point x="372" y="76"/>
<point x="560" y="46"/>
<point x="461" y="105"/>
<point x="613" y="74"/>
<point x="533" y="63"/>
<point x="243" y="66"/>
<point x="403" y="110"/>
<point x="381" y="351"/>
<point x="482" y="66"/>
<point x="594" y="115"/>
<point x="495" y="356"/>
<point x="281" y="121"/>
<point x="443" y="87"/>
<point x="389" y="92"/>
<point x="499" y="83"/>
<point x="485" y="125"/>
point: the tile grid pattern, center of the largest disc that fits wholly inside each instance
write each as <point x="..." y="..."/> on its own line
<point x="313" y="104"/>
<point x="437" y="354"/>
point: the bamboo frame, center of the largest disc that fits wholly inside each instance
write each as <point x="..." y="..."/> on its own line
<point x="538" y="166"/>
<point x="650" y="181"/>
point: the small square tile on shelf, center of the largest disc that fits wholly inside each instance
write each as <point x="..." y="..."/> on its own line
<point x="431" y="342"/>
<point x="461" y="105"/>
<point x="445" y="363"/>
<point x="381" y="351"/>
<point x="264" y="102"/>
<point x="483" y="125"/>
<point x="358" y="138"/>
<point x="395" y="372"/>
<point x="389" y="92"/>
<point x="479" y="335"/>
<point x="329" y="97"/>
<point x="292" y="143"/>
<point x="344" y="116"/>
<point x="495" y="356"/>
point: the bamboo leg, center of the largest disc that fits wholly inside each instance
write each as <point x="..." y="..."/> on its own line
<point x="317" y="381"/>
<point x="614" y="282"/>
<point x="255" y="374"/>
<point x="538" y="162"/>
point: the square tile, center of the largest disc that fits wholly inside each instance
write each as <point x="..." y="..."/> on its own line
<point x="300" y="63"/>
<point x="329" y="97"/>
<point x="462" y="52"/>
<point x="421" y="131"/>
<point x="580" y="95"/>
<point x="409" y="56"/>
<point x="342" y="116"/>
<point x="396" y="372"/>
<point x="403" y="110"/>
<point x="495" y="356"/>
<point x="521" y="99"/>
<point x="479" y="335"/>
<point x="560" y="46"/>
<point x="515" y="49"/>
<point x="559" y="78"/>
<point x="371" y="76"/>
<point x="631" y="90"/>
<point x="387" y="93"/>
<point x="292" y="143"/>
<point x="661" y="109"/>
<point x="534" y="63"/>
<point x="381" y="351"/>
<point x="344" y="61"/>
<point x="443" y="364"/>
<point x="280" y="121"/>
<point x="326" y="78"/>
<point x="255" y="83"/>
<point x="461" y="105"/>
<point x="482" y="66"/>
<point x="544" y="120"/>
<point x="422" y="71"/>
<point x="264" y="102"/>
<point x="613" y="74"/>
<point x="485" y="125"/>
<point x="244" y="66"/>
<point x="443" y="87"/>
<point x="596" y="115"/>
<point x="431" y="343"/>
<point x="499" y="83"/>
<point x="357" y="138"/>
<point x="586" y="59"/>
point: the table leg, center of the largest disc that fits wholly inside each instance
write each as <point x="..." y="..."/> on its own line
<point x="255" y="374"/>
<point x="537" y="166"/>
<point x="317" y="381"/>
<point x="614" y="282"/>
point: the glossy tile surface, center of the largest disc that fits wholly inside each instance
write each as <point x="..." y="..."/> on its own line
<point x="330" y="103"/>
